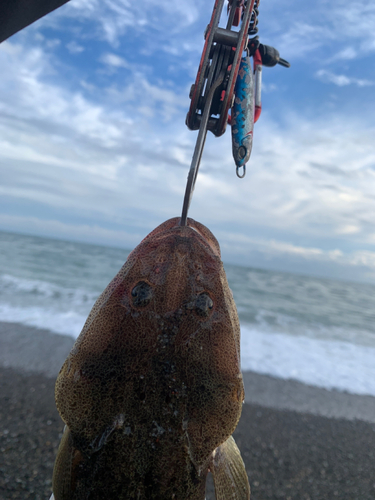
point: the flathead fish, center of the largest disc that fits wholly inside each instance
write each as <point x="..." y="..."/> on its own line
<point x="152" y="389"/>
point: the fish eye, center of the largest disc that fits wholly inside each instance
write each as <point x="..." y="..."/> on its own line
<point x="203" y="304"/>
<point x="141" y="294"/>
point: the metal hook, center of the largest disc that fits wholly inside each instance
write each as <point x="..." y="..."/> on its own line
<point x="238" y="169"/>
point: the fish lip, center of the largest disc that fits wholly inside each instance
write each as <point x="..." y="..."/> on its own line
<point x="193" y="229"/>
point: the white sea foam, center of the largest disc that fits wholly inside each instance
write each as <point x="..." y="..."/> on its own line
<point x="63" y="322"/>
<point x="330" y="364"/>
<point x="44" y="305"/>
<point x="276" y="322"/>
<point x="14" y="286"/>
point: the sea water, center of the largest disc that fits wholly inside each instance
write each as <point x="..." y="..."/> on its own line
<point x="318" y="331"/>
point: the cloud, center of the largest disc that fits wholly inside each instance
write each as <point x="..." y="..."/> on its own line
<point x="80" y="232"/>
<point x="337" y="162"/>
<point x="74" y="47"/>
<point x="244" y="250"/>
<point x="355" y="20"/>
<point x="269" y="87"/>
<point x="313" y="30"/>
<point x="113" y="20"/>
<point x="348" y="229"/>
<point x="244" y="243"/>
<point x="301" y="38"/>
<point x="346" y="54"/>
<point x="114" y="60"/>
<point x="72" y="156"/>
<point x="341" y="80"/>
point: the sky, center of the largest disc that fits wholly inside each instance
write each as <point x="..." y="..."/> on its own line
<point x="94" y="146"/>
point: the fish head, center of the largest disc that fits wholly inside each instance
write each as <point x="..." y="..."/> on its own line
<point x="172" y="265"/>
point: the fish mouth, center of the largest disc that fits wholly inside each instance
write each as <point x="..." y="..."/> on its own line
<point x="193" y="229"/>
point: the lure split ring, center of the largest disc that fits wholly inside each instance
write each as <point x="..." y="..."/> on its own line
<point x="238" y="167"/>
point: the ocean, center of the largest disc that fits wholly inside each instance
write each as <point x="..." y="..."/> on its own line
<point x="317" y="331"/>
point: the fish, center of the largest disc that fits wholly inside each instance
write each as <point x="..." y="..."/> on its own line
<point x="152" y="390"/>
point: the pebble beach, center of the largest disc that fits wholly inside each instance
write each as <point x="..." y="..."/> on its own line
<point x="320" y="447"/>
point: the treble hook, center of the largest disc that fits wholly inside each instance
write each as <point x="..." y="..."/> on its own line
<point x="238" y="170"/>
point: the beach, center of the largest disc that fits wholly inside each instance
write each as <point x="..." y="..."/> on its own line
<point x="297" y="441"/>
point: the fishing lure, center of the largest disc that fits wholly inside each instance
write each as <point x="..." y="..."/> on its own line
<point x="242" y="116"/>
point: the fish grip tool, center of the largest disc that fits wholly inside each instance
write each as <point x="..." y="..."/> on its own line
<point x="212" y="93"/>
<point x="226" y="80"/>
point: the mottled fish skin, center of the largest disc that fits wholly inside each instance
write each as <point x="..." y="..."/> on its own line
<point x="152" y="385"/>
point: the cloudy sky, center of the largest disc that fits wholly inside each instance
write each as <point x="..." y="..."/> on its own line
<point x="94" y="147"/>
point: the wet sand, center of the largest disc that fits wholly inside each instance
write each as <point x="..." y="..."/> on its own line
<point x="297" y="442"/>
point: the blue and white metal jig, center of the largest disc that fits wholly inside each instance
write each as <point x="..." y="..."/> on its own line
<point x="242" y="115"/>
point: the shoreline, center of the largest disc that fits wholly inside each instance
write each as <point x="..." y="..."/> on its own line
<point x="34" y="350"/>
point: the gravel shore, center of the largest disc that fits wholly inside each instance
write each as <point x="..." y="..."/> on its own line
<point x="289" y="454"/>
